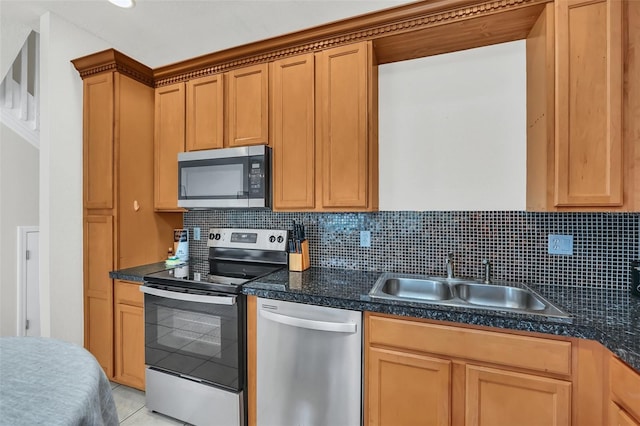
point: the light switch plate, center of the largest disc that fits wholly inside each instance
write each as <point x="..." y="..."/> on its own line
<point x="196" y="234"/>
<point x="365" y="238"/>
<point x="560" y="244"/>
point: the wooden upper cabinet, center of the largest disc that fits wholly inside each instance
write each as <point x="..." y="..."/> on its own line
<point x="98" y="137"/>
<point x="501" y="397"/>
<point x="169" y="140"/>
<point x="205" y="113"/>
<point x="345" y="113"/>
<point x="579" y="155"/>
<point x="589" y="99"/>
<point x="292" y="118"/>
<point x="248" y="106"/>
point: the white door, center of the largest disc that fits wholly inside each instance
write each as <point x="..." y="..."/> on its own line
<point x="32" y="324"/>
<point x="28" y="281"/>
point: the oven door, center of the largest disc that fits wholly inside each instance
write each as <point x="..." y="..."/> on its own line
<point x="198" y="335"/>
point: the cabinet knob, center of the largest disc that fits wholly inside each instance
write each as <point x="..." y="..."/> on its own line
<point x="136" y="205"/>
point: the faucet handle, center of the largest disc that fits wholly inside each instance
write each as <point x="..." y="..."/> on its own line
<point x="487" y="271"/>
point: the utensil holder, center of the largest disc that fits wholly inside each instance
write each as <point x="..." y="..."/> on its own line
<point x="300" y="261"/>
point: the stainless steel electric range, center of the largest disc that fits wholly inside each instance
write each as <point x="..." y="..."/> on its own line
<point x="195" y="327"/>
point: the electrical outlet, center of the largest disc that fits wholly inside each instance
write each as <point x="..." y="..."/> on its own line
<point x="560" y="244"/>
<point x="365" y="238"/>
<point x="196" y="234"/>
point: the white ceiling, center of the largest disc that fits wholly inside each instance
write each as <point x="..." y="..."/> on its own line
<point x="160" y="32"/>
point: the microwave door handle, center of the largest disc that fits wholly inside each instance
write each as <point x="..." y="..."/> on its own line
<point x="213" y="300"/>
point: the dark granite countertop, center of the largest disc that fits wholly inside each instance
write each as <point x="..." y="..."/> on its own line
<point x="608" y="316"/>
<point x="138" y="272"/>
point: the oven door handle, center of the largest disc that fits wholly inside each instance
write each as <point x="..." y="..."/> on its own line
<point x="213" y="300"/>
<point x="336" y="327"/>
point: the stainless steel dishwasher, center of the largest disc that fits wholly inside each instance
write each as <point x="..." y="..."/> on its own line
<point x="309" y="365"/>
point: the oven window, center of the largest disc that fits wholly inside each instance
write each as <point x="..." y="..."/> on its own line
<point x="198" y="340"/>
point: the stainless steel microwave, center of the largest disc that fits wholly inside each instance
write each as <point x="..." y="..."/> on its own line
<point x="225" y="178"/>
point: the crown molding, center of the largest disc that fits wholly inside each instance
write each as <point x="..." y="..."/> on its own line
<point x="112" y="60"/>
<point x="377" y="26"/>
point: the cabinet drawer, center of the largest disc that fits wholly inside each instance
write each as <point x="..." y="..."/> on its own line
<point x="532" y="353"/>
<point x="625" y="387"/>
<point x="128" y="293"/>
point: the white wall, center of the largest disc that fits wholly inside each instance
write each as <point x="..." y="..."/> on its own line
<point x="452" y="131"/>
<point x="18" y="207"/>
<point x="14" y="34"/>
<point x="61" y="176"/>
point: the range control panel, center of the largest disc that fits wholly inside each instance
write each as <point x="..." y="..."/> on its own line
<point x="259" y="239"/>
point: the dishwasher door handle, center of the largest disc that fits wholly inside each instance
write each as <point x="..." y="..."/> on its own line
<point x="336" y="327"/>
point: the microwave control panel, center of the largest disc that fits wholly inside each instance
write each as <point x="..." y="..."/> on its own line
<point x="257" y="175"/>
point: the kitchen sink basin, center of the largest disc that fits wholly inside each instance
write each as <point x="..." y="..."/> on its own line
<point x="499" y="296"/>
<point x="463" y="293"/>
<point x="423" y="289"/>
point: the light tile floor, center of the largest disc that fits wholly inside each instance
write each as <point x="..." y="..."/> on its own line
<point x="132" y="411"/>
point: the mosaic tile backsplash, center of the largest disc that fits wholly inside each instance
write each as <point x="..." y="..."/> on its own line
<point x="418" y="242"/>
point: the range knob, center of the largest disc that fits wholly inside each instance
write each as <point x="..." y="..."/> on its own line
<point x="272" y="239"/>
<point x="280" y="238"/>
<point x="218" y="236"/>
<point x="212" y="236"/>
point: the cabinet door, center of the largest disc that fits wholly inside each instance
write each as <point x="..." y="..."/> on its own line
<point x="129" y="335"/>
<point x="618" y="417"/>
<point x="500" y="397"/>
<point x="168" y="142"/>
<point x="248" y="106"/>
<point x="292" y="117"/>
<point x="98" y="290"/>
<point x="98" y="141"/>
<point x="625" y="386"/>
<point x="407" y="389"/>
<point x="205" y="113"/>
<point x="589" y="96"/>
<point x="343" y="163"/>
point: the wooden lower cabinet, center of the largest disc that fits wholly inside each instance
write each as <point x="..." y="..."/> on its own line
<point x="422" y="373"/>
<point x="129" y="334"/>
<point x="619" y="417"/>
<point x="408" y="389"/>
<point x="502" y="397"/>
<point x="624" y="394"/>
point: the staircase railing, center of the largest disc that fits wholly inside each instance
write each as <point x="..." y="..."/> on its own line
<point x="19" y="92"/>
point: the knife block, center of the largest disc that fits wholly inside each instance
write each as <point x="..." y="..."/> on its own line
<point x="300" y="261"/>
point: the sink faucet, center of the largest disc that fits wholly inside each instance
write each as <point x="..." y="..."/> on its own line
<point x="450" y="266"/>
<point x="487" y="271"/>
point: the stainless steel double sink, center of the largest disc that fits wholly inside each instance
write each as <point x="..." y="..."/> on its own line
<point x="463" y="293"/>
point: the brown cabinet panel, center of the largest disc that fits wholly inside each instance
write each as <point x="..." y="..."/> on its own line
<point x="533" y="353"/>
<point x="500" y="397"/>
<point x="293" y="129"/>
<point x="589" y="82"/>
<point x="625" y="387"/>
<point x="248" y="106"/>
<point x="98" y="136"/>
<point x="129" y="335"/>
<point x="618" y="417"/>
<point x="205" y="113"/>
<point x="98" y="290"/>
<point x="407" y="389"/>
<point x="169" y="140"/>
<point x="343" y="163"/>
<point x="142" y="234"/>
